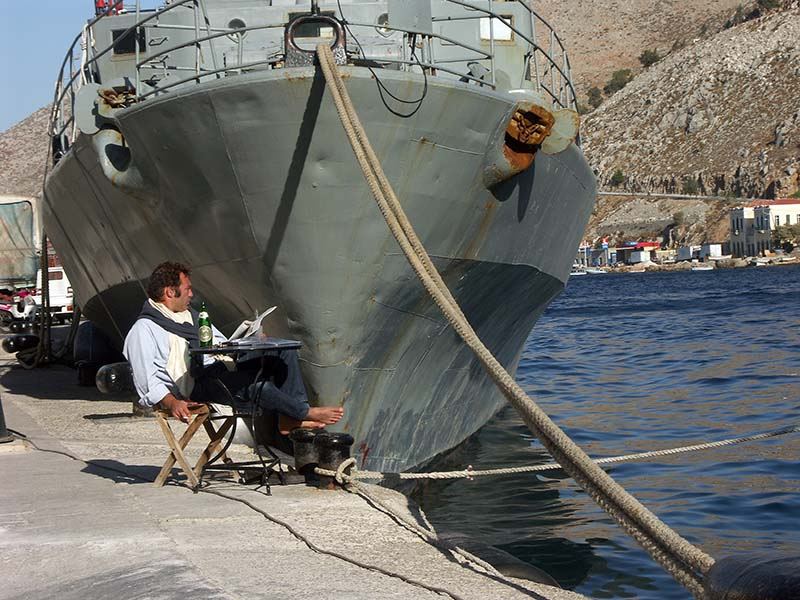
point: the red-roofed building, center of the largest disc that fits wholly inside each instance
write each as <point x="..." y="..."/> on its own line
<point x="637" y="252"/>
<point x="774" y="202"/>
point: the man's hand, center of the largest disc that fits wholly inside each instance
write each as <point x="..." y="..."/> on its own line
<point x="180" y="409"/>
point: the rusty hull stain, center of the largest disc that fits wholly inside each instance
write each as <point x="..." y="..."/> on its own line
<point x="526" y="131"/>
<point x="483" y="229"/>
<point x="519" y="160"/>
<point x="530" y="127"/>
<point x="364" y="449"/>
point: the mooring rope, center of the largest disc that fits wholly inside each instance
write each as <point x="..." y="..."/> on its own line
<point x="682" y="559"/>
<point x="348" y="472"/>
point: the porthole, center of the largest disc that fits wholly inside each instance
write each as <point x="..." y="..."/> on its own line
<point x="383" y="20"/>
<point x="237" y="24"/>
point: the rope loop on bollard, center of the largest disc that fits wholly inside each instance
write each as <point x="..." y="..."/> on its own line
<point x="342" y="476"/>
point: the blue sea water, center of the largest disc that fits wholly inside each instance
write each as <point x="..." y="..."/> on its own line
<point x="633" y="362"/>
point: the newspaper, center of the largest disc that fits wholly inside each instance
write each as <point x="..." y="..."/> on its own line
<point x="248" y="329"/>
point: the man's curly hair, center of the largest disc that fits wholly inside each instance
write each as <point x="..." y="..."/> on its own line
<point x="165" y="275"/>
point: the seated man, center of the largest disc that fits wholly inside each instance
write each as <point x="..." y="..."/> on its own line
<point x="157" y="347"/>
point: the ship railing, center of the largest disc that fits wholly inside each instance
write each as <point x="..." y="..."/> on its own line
<point x="546" y="64"/>
<point x="278" y="56"/>
<point x="547" y="61"/>
<point x="71" y="78"/>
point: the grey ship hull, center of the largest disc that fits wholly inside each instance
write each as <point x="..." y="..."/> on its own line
<point x="250" y="180"/>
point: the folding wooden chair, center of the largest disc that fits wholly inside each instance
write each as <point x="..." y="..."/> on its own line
<point x="201" y="417"/>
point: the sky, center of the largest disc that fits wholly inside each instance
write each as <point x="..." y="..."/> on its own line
<point x="34" y="38"/>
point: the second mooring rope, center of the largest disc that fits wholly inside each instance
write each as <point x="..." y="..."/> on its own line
<point x="347" y="472"/>
<point x="682" y="559"/>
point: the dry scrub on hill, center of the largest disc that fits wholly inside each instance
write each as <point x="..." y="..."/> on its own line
<point x="721" y="117"/>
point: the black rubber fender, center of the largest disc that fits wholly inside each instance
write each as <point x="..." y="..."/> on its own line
<point x="754" y="578"/>
<point x="21" y="341"/>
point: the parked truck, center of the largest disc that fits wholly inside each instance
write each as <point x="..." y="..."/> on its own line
<point x="61" y="299"/>
<point x="19" y="240"/>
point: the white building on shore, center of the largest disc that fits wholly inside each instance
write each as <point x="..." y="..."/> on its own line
<point x="742" y="231"/>
<point x="752" y="225"/>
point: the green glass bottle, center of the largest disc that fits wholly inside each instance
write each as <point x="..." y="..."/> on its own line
<point x="204" y="328"/>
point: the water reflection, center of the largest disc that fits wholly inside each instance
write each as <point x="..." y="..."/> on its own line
<point x="634" y="363"/>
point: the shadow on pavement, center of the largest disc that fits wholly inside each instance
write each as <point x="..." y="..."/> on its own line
<point x="120" y="472"/>
<point x="121" y="416"/>
<point x="52" y="382"/>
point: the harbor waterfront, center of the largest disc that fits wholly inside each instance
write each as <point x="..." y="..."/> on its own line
<point x="634" y="362"/>
<point x="82" y="519"/>
<point x="624" y="363"/>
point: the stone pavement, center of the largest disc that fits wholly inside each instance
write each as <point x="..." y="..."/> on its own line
<point x="80" y="518"/>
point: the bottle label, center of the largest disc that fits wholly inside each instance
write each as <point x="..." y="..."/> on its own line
<point x="205" y="334"/>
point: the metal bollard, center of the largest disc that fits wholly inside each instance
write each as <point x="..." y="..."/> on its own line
<point x="333" y="449"/>
<point x="5" y="436"/>
<point x="306" y="455"/>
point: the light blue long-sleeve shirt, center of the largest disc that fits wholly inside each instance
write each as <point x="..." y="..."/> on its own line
<point x="147" y="350"/>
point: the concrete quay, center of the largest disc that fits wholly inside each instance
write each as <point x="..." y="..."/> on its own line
<point x="80" y="518"/>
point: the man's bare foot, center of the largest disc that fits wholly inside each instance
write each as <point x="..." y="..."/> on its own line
<point x="286" y="424"/>
<point x="326" y="414"/>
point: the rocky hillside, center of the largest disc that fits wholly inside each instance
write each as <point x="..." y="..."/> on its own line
<point x="719" y="117"/>
<point x="606" y="35"/>
<point x="723" y="112"/>
<point x="23" y="151"/>
<point x="621" y="219"/>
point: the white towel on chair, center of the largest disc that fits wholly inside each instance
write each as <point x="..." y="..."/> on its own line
<point x="178" y="360"/>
